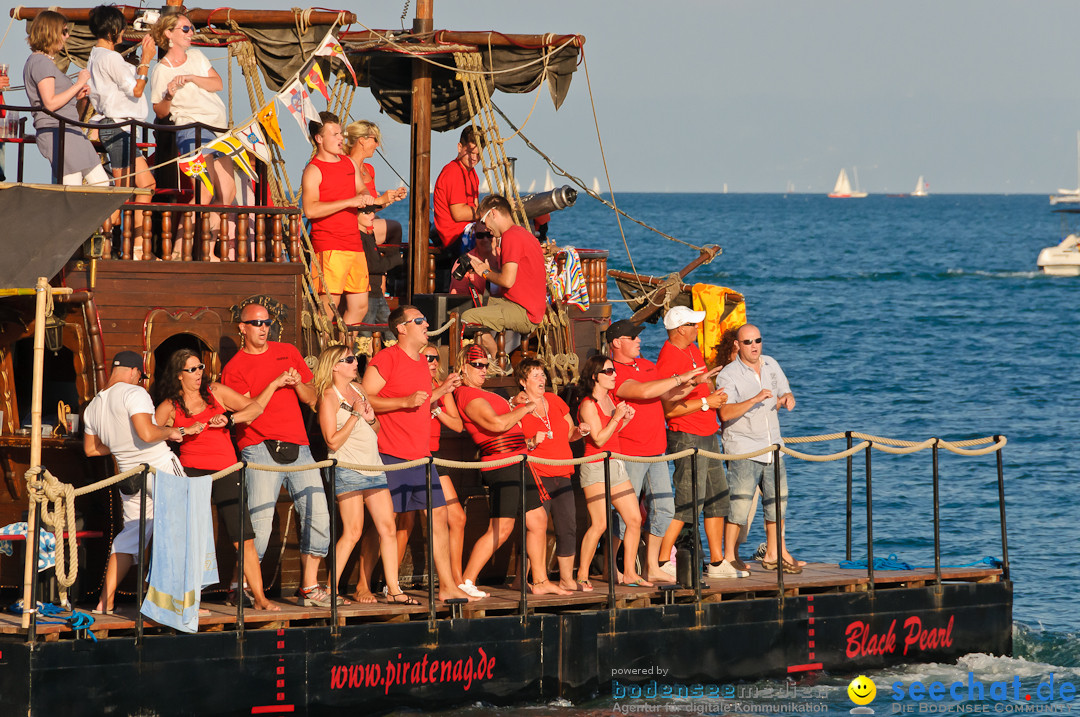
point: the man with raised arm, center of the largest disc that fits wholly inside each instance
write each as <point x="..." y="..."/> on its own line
<point x="278" y="438"/>
<point x="120" y="420"/>
<point x="756" y="387"/>
<point x="332" y="195"/>
<point x="692" y="422"/>
<point x="398" y="386"/>
<point x="638" y="383"/>
<point x="457" y="190"/>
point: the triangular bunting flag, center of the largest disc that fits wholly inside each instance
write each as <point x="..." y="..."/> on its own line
<point x="314" y="79"/>
<point x="298" y="102"/>
<point x="194" y="165"/>
<point x="267" y="117"/>
<point x="331" y="47"/>
<point x="251" y="136"/>
<point x="231" y="146"/>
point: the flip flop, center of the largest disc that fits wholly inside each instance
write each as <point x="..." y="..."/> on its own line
<point x="585" y="586"/>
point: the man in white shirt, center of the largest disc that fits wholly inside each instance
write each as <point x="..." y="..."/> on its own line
<point x="120" y="421"/>
<point x="756" y="386"/>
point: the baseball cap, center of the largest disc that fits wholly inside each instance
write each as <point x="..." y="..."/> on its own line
<point x="681" y="316"/>
<point x="128" y="359"/>
<point x="624" y="328"/>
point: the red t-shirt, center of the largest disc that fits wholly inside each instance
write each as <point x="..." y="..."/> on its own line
<point x="455" y="185"/>
<point x="249" y="374"/>
<point x="493" y="446"/>
<point x="436" y="426"/>
<point x="557" y="447"/>
<point x="645" y="434"/>
<point x="613" y="444"/>
<point x="370" y="184"/>
<point x="339" y="231"/>
<point x="673" y="360"/>
<point x="210" y="450"/>
<point x="405" y="432"/>
<point x="530" y="286"/>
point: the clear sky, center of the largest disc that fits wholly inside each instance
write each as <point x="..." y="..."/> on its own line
<point x="976" y="95"/>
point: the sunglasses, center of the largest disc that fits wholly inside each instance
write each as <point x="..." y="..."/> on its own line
<point x="418" y="320"/>
<point x="432" y="358"/>
<point x="749" y="342"/>
<point x="482" y="365"/>
<point x="193" y="369"/>
<point x="610" y="371"/>
<point x="347" y="359"/>
<point x="258" y="322"/>
<point x="185" y="29"/>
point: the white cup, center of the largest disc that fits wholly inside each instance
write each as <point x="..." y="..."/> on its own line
<point x="74" y="420"/>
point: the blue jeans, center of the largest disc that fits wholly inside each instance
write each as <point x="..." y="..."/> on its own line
<point x="659" y="496"/>
<point x="743" y="477"/>
<point x="308" y="496"/>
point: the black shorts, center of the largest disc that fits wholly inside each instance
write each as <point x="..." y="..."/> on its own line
<point x="225" y="495"/>
<point x="504" y="487"/>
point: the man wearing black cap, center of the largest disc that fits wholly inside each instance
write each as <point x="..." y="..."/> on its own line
<point x="120" y="420"/>
<point x="638" y="383"/>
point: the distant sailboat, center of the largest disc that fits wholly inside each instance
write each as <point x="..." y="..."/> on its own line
<point x="1070" y="196"/>
<point x="920" y="188"/>
<point x="548" y="184"/>
<point x="843" y="189"/>
<point x="596" y="186"/>
<point x="532" y="186"/>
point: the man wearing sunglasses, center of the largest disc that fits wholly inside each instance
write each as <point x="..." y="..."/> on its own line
<point x="756" y="386"/>
<point x="278" y="436"/>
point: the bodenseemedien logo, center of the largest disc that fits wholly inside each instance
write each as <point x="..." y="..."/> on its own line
<point x="862" y="691"/>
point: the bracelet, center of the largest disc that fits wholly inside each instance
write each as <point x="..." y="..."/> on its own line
<point x="372" y="421"/>
<point x="678" y="379"/>
<point x="181" y="429"/>
<point x="436" y="411"/>
<point x="141" y="78"/>
<point x="143" y="64"/>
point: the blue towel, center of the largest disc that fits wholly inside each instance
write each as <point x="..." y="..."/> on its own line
<point x="184" y="560"/>
<point x="47" y="547"/>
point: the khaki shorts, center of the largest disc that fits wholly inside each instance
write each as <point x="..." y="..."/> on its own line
<point x="345" y="272"/>
<point x="592" y="473"/>
<point x="500" y="314"/>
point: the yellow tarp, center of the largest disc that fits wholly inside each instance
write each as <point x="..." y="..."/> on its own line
<point x="720" y="315"/>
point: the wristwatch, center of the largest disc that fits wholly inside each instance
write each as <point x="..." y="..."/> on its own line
<point x="181" y="429"/>
<point x="704" y="404"/>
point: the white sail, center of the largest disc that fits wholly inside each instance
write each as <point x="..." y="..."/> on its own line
<point x="920" y="188"/>
<point x="596" y="185"/>
<point x="532" y="186"/>
<point x="548" y="184"/>
<point x="843" y="184"/>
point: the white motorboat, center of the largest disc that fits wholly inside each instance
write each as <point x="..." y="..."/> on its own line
<point x="843" y="189"/>
<point x="1070" y="196"/>
<point x="1063" y="259"/>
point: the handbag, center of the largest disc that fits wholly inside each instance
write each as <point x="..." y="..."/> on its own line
<point x="283" y="451"/>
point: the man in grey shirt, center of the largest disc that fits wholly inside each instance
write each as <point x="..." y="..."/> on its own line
<point x="756" y="387"/>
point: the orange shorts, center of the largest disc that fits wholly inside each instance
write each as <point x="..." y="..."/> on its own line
<point x="345" y="272"/>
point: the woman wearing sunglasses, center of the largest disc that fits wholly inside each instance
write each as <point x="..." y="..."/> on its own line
<point x="48" y="87"/>
<point x="184" y="86"/>
<point x="350" y="427"/>
<point x="495" y="428"/>
<point x="605" y="419"/>
<point x="189" y="401"/>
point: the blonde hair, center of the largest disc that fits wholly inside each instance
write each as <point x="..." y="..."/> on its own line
<point x="463" y="356"/>
<point x="165" y="23"/>
<point x="324" y="371"/>
<point x="440" y="375"/>
<point x="358" y="130"/>
<point x="46" y="31"/>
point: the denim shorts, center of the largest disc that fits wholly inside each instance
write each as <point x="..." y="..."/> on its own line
<point x="408" y="487"/>
<point x="744" y="476"/>
<point x="347" y="480"/>
<point x="117" y="144"/>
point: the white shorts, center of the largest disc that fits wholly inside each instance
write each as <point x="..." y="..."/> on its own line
<point x="127" y="540"/>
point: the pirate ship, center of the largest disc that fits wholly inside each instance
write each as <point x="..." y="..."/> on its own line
<point x="56" y="335"/>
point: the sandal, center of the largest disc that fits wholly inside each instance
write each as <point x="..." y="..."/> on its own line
<point x="400" y="599"/>
<point x="585" y="586"/>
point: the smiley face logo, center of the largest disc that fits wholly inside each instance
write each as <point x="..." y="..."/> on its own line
<point x="862" y="690"/>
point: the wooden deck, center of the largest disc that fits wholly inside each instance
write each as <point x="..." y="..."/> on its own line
<point x="816" y="578"/>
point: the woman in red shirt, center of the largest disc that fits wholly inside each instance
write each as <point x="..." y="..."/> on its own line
<point x="548" y="432"/>
<point x="495" y="428"/>
<point x="605" y="419"/>
<point x="192" y="403"/>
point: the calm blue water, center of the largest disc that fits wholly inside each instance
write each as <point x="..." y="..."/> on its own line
<point x="906" y="318"/>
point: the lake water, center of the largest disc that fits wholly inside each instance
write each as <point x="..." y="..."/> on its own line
<point x="906" y="318"/>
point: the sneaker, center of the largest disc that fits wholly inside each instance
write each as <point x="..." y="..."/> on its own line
<point x="315" y="597"/>
<point x="725" y="570"/>
<point x="668" y="569"/>
<point x="471" y="590"/>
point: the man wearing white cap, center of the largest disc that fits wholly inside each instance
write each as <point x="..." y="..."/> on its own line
<point x="693" y="422"/>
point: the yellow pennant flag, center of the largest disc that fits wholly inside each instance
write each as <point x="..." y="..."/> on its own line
<point x="267" y="117"/>
<point x="232" y="147"/>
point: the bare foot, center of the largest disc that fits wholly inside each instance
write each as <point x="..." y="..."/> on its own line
<point x="546" y="587"/>
<point x="265" y="604"/>
<point x="452" y="591"/>
<point x="660" y="577"/>
<point x="636" y="581"/>
<point x="567" y="584"/>
<point x="364" y="598"/>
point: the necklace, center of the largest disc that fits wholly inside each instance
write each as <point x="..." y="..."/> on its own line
<point x="689" y="355"/>
<point x="546" y="418"/>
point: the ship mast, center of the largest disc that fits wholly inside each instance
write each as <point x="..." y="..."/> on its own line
<point x="420" y="161"/>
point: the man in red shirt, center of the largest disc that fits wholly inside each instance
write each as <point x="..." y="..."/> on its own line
<point x="457" y="189"/>
<point x="521" y="274"/>
<point x="332" y="194"/>
<point x="278" y="436"/>
<point x="398" y="386"/>
<point x="639" y="383"/>
<point x="693" y="422"/>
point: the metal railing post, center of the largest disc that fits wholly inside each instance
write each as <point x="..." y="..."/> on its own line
<point x="697" y="530"/>
<point x="58" y="157"/>
<point x="430" y="540"/>
<point x="847" y="434"/>
<point x="327" y="474"/>
<point x="523" y="570"/>
<point x="1001" y="506"/>
<point x="242" y="541"/>
<point x="937" y="517"/>
<point x="142" y="555"/>
<point x="610" y="531"/>
<point x="779" y="528"/>
<point x="869" y="520"/>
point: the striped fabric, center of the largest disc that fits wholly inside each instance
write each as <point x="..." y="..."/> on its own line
<point x="569" y="284"/>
